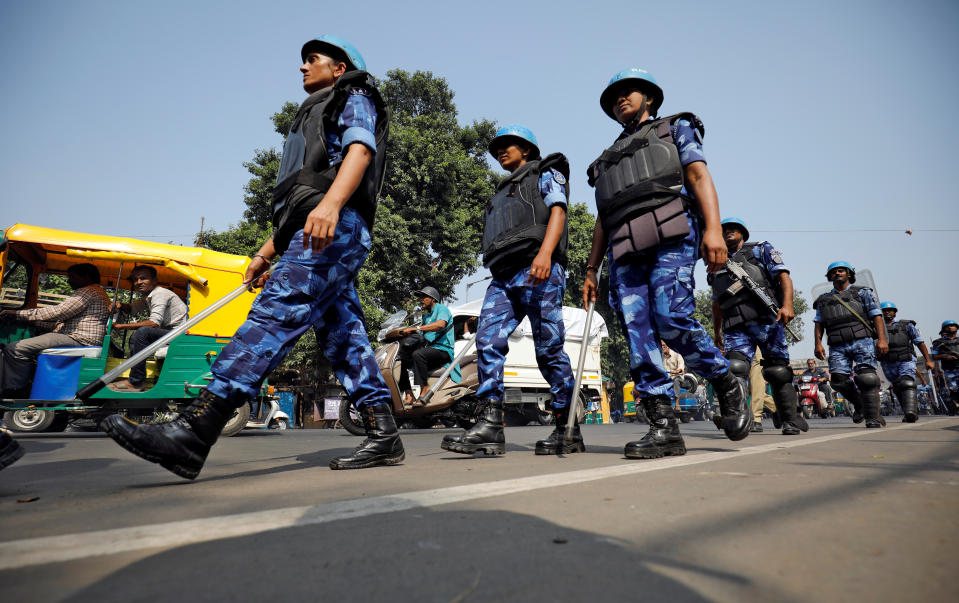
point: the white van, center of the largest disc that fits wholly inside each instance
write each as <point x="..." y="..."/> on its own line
<point x="526" y="392"/>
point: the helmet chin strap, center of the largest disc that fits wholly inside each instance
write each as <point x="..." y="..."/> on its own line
<point x="634" y="123"/>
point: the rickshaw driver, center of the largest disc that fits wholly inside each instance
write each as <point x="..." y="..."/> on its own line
<point x="80" y="320"/>
<point x="323" y="207"/>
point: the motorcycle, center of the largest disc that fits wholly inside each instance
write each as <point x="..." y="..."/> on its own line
<point x="452" y="404"/>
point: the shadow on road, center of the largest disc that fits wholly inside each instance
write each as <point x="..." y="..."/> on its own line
<point x="422" y="556"/>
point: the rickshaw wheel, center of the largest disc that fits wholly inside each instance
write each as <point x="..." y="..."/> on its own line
<point x="31" y="420"/>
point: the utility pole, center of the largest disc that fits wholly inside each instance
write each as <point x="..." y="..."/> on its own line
<point x="200" y="236"/>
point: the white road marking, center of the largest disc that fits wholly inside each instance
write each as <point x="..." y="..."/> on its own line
<point x="52" y="549"/>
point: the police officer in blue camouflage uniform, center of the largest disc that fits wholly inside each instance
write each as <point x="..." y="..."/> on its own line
<point x="857" y="333"/>
<point x="524" y="247"/>
<point x="946" y="351"/>
<point x="323" y="207"/>
<point x="899" y="363"/>
<point x="658" y="212"/>
<point x="745" y="323"/>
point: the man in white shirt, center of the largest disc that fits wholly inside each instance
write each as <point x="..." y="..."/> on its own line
<point x="167" y="311"/>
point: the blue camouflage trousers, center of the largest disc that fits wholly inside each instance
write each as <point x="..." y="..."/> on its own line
<point x="845" y="357"/>
<point x="307" y="289"/>
<point x="771" y="339"/>
<point x="654" y="300"/>
<point x="895" y="371"/>
<point x="506" y="303"/>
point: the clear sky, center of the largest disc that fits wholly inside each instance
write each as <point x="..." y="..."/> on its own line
<point x="829" y="125"/>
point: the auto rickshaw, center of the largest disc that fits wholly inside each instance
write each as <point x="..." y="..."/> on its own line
<point x="29" y="255"/>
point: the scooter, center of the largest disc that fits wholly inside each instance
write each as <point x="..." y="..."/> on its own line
<point x="809" y="397"/>
<point x="689" y="405"/>
<point x="268" y="415"/>
<point x="451" y="403"/>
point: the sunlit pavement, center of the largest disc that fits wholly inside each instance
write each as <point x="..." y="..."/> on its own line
<point x="839" y="513"/>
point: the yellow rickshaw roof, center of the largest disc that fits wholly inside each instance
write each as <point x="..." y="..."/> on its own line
<point x="193" y="256"/>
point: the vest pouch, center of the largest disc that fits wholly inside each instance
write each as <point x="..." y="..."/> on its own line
<point x="662" y="226"/>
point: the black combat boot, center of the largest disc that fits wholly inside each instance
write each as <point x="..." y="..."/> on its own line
<point x="871" y="410"/>
<point x="556" y="443"/>
<point x="952" y="404"/>
<point x="382" y="445"/>
<point x="487" y="435"/>
<point x="906" y="392"/>
<point x="855" y="400"/>
<point x="737" y="418"/>
<point x="10" y="449"/>
<point x="787" y="408"/>
<point x="478" y="411"/>
<point x="180" y="445"/>
<point x="663" y="437"/>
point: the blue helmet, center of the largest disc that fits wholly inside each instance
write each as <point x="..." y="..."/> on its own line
<point x="888" y="306"/>
<point x="739" y="223"/>
<point x="842" y="264"/>
<point x="341" y="49"/>
<point x="514" y="131"/>
<point x="636" y="76"/>
<point x="948" y="323"/>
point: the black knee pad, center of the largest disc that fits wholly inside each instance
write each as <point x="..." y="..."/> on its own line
<point x="905" y="383"/>
<point x="738" y="364"/>
<point x="778" y="375"/>
<point x="867" y="379"/>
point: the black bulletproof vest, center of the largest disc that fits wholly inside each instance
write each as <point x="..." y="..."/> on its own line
<point x="306" y="160"/>
<point x="842" y="326"/>
<point x="742" y="306"/>
<point x="947" y="346"/>
<point x="516" y="218"/>
<point x="639" y="172"/>
<point x="900" y="347"/>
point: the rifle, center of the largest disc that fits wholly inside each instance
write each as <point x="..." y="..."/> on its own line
<point x="744" y="280"/>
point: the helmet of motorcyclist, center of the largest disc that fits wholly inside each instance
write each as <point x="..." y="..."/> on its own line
<point x="428" y="292"/>
<point x="636" y="77"/>
<point x="736" y="223"/>
<point x="511" y="132"/>
<point x="337" y="48"/>
<point x="888" y="306"/>
<point x="842" y="264"/>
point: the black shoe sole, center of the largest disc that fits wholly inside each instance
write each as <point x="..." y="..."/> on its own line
<point x="566" y="449"/>
<point x="12" y="453"/>
<point x="656" y="453"/>
<point x="495" y="449"/>
<point x="910" y="418"/>
<point x="120" y="438"/>
<point x="372" y="462"/>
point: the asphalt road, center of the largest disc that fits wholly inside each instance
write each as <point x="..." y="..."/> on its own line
<point x="839" y="513"/>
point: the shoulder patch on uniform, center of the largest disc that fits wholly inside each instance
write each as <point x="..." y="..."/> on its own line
<point x="776" y="256"/>
<point x="362" y="91"/>
<point x="558" y="177"/>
